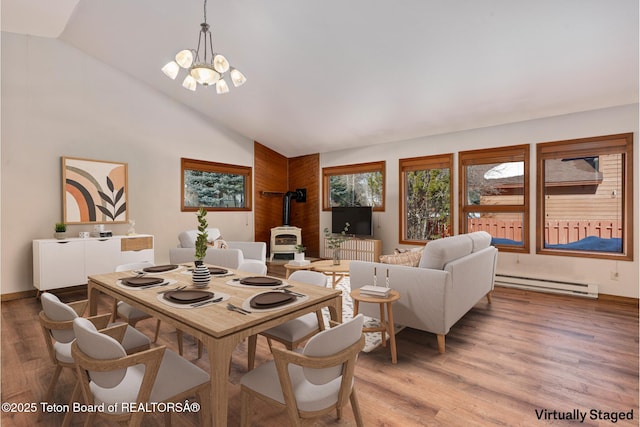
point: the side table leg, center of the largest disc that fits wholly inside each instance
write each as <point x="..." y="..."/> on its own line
<point x="383" y="325"/>
<point x="392" y="334"/>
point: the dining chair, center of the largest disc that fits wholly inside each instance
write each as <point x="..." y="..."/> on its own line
<point x="295" y="331"/>
<point x="126" y="311"/>
<point x="310" y="383"/>
<point x="253" y="267"/>
<point x="125" y="382"/>
<point x="56" y="321"/>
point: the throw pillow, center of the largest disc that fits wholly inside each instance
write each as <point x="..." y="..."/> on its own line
<point x="410" y="258"/>
<point x="219" y="244"/>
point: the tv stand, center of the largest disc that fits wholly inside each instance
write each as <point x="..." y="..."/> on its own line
<point x="356" y="249"/>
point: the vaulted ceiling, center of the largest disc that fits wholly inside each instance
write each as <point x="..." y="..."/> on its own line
<point x="332" y="74"/>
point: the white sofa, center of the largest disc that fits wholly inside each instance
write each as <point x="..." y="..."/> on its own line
<point x="454" y="273"/>
<point x="235" y="255"/>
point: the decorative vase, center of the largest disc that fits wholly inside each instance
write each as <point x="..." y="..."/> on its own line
<point x="336" y="256"/>
<point x="201" y="275"/>
<point x="298" y="256"/>
<point x="60" y="235"/>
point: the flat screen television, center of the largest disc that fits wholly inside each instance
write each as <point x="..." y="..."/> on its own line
<point x="360" y="219"/>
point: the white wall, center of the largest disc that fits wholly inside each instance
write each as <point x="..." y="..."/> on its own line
<point x="592" y="123"/>
<point x="57" y="101"/>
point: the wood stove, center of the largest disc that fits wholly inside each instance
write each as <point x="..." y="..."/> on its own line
<point x="284" y="240"/>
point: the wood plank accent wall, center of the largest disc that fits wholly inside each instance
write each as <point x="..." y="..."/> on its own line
<point x="278" y="174"/>
<point x="270" y="174"/>
<point x="304" y="172"/>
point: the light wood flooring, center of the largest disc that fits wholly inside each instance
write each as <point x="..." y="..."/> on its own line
<point x="526" y="355"/>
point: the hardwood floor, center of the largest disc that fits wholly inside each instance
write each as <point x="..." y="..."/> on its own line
<point x="511" y="363"/>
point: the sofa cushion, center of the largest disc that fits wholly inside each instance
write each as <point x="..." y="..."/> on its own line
<point x="409" y="258"/>
<point x="480" y="240"/>
<point x="188" y="238"/>
<point x="438" y="253"/>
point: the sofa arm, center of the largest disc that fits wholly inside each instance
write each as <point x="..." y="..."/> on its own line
<point x="251" y="250"/>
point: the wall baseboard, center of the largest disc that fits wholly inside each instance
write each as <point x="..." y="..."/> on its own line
<point x="34" y="293"/>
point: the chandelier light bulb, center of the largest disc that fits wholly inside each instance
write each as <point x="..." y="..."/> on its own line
<point x="220" y="63"/>
<point x="237" y="77"/>
<point x="221" y="87"/>
<point x="189" y="83"/>
<point x="204" y="74"/>
<point x="184" y="58"/>
<point x="171" y="70"/>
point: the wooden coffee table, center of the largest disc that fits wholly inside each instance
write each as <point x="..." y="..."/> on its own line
<point x="335" y="271"/>
<point x="385" y="326"/>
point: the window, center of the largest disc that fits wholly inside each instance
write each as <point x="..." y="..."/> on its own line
<point x="354" y="185"/>
<point x="425" y="198"/>
<point x="494" y="195"/>
<point x="215" y="186"/>
<point x="584" y="204"/>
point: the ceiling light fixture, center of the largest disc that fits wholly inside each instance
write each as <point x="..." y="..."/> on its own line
<point x="204" y="67"/>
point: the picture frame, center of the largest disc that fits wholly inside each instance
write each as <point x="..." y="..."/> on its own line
<point x="94" y="191"/>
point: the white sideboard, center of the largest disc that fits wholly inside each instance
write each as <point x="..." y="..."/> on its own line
<point x="68" y="262"/>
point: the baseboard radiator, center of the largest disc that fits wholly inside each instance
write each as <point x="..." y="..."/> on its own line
<point x="546" y="285"/>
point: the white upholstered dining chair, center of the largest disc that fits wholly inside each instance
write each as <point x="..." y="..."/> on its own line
<point x="253" y="267"/>
<point x="295" y="331"/>
<point x="314" y="382"/>
<point x="108" y="375"/>
<point x="56" y="320"/>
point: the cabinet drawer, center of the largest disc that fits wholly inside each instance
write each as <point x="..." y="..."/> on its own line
<point x="136" y="243"/>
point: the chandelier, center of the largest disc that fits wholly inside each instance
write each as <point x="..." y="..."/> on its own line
<point x="204" y="66"/>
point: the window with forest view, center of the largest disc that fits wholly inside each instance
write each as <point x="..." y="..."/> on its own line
<point x="584" y="197"/>
<point x="354" y="185"/>
<point x="215" y="186"/>
<point x="426" y="203"/>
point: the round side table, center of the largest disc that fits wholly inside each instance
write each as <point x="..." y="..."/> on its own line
<point x="385" y="326"/>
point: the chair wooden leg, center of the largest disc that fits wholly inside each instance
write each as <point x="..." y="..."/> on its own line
<point x="489" y="297"/>
<point x="155" y="337"/>
<point x="356" y="408"/>
<point x="179" y="339"/>
<point x="52" y="384"/>
<point x="77" y="392"/>
<point x="251" y="352"/>
<point x="245" y="409"/>
<point x="199" y="349"/>
<point x="441" y="343"/>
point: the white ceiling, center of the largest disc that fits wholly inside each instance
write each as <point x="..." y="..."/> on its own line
<point x="332" y="74"/>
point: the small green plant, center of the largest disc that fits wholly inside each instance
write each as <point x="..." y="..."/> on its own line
<point x="335" y="240"/>
<point x="300" y="248"/>
<point x="202" y="239"/>
<point x="61" y="227"/>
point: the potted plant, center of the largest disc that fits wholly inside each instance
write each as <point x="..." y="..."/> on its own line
<point x="299" y="255"/>
<point x="201" y="274"/>
<point x="61" y="230"/>
<point x="335" y="240"/>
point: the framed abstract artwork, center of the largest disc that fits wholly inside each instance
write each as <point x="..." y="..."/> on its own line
<point x="94" y="191"/>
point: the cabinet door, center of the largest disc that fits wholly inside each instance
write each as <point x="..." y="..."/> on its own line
<point x="58" y="264"/>
<point x="102" y="255"/>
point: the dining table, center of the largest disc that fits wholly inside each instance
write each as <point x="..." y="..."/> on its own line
<point x="219" y="328"/>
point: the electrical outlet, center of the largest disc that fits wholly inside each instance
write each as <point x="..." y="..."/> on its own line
<point x="614" y="275"/>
